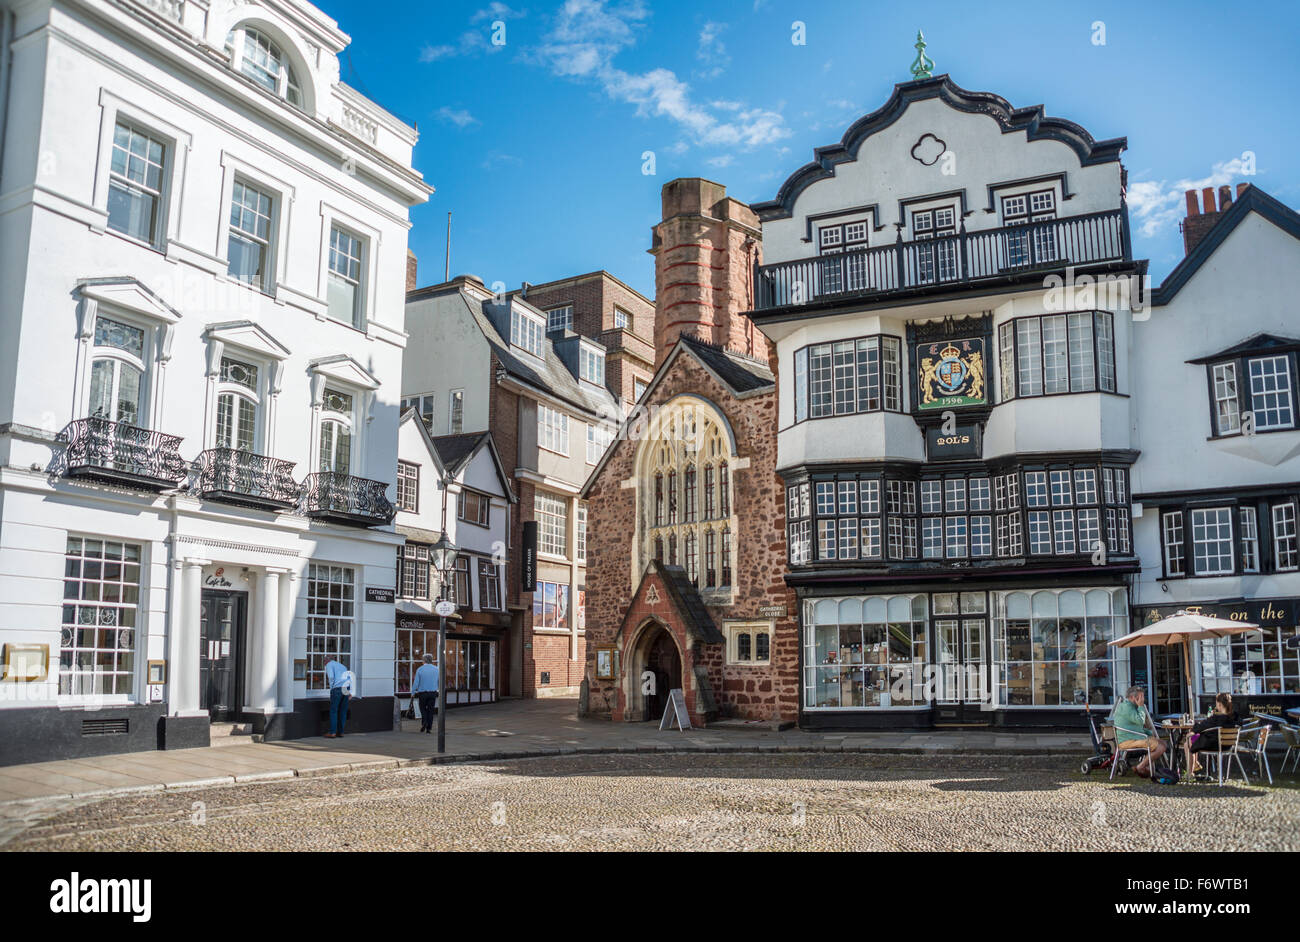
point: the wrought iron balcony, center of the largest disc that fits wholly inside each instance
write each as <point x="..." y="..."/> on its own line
<point x="123" y="454"/>
<point x="968" y="258"/>
<point x="241" y="477"/>
<point x="343" y="498"/>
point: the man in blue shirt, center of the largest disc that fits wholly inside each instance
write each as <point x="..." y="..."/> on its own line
<point x="340" y="682"/>
<point x="426" y="686"/>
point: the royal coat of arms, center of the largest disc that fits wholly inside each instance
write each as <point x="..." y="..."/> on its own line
<point x="950" y="374"/>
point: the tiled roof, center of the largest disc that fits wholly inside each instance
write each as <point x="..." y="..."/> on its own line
<point x="547" y="373"/>
<point x="740" y="372"/>
<point x="687" y="601"/>
<point x="455" y="450"/>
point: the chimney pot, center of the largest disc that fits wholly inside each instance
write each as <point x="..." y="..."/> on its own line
<point x="1241" y="188"/>
<point x="1225" y="198"/>
<point x="1207" y="200"/>
<point x="1193" y="205"/>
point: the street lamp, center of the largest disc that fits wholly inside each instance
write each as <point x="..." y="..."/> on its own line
<point x="443" y="555"/>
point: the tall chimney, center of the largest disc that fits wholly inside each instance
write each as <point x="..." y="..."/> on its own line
<point x="1201" y="218"/>
<point x="705" y="251"/>
<point x="411" y="281"/>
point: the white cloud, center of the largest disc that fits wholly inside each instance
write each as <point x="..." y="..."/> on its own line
<point x="497" y="11"/>
<point x="459" y="117"/>
<point x="497" y="158"/>
<point x="1157" y="204"/>
<point x="724" y="160"/>
<point x="712" y="51"/>
<point x="586" y="38"/>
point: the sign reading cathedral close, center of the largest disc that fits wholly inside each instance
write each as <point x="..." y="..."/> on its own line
<point x="950" y="374"/>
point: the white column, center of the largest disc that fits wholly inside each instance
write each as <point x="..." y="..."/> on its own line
<point x="265" y="685"/>
<point x="185" y="673"/>
<point x="284" y="640"/>
<point x="175" y="632"/>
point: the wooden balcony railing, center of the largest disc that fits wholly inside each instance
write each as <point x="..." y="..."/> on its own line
<point x="968" y="257"/>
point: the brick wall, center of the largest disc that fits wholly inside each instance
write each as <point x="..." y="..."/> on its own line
<point x="705" y="251"/>
<point x="753" y="692"/>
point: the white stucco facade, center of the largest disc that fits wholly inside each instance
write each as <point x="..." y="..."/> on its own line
<point x="162" y="363"/>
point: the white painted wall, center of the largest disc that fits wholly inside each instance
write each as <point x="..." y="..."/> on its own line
<point x="77" y="66"/>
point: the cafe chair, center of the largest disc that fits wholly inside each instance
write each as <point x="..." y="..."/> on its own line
<point x="1121" y="755"/>
<point x="1251" y="741"/>
<point x="1227" y="741"/>
<point x="1291" y="736"/>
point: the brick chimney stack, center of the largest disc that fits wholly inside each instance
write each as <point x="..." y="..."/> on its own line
<point x="1203" y="214"/>
<point x="411" y="282"/>
<point x="705" y="251"/>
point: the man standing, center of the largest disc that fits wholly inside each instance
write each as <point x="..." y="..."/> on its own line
<point x="426" y="685"/>
<point x="1134" y="729"/>
<point x="340" y="682"/>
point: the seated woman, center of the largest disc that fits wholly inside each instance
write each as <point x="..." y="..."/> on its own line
<point x="1205" y="733"/>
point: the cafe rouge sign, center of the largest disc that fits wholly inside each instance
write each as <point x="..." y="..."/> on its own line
<point x="1267" y="613"/>
<point x="950" y="374"/>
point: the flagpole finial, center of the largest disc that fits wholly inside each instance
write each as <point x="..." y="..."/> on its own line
<point x="923" y="65"/>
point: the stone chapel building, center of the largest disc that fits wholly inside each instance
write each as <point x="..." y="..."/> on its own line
<point x="686" y="518"/>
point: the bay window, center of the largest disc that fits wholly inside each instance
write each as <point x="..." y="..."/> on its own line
<point x="848" y="377"/>
<point x="1057" y="353"/>
<point x="1260" y="390"/>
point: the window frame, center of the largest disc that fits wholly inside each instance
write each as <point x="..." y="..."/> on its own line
<point x="115" y="109"/>
<point x="751" y="629"/>
<point x="552" y="426"/>
<point x="527" y="332"/>
<point x="557" y="548"/>
<point x="565" y="324"/>
<point x="1102" y="343"/>
<point x="411" y="488"/>
<point x="1245" y="394"/>
<point x="483" y="503"/>
<point x="360" y="306"/>
<point x="804" y="383"/>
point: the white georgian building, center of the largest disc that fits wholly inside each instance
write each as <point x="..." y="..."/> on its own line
<point x="202" y="256"/>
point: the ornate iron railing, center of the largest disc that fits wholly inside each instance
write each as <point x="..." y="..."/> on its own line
<point x="243" y="477"/>
<point x="965" y="257"/>
<point x="122" y="453"/>
<point x="329" y="494"/>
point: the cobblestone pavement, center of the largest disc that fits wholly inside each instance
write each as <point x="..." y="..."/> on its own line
<point x="689" y="802"/>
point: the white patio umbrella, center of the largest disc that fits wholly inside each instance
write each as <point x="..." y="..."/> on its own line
<point x="1183" y="628"/>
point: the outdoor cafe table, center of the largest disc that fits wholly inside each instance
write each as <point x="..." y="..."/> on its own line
<point x="1178" y="733"/>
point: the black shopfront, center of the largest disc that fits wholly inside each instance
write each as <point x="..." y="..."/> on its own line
<point x="1261" y="669"/>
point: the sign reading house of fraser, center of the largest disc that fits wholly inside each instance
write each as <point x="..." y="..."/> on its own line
<point x="950" y="374"/>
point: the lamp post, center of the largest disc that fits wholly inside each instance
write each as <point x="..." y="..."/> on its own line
<point x="443" y="555"/>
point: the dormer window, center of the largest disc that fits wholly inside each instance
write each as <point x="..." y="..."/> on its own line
<point x="526" y="331"/>
<point x="262" y="60"/>
<point x="591" y="366"/>
<point x="559" y="318"/>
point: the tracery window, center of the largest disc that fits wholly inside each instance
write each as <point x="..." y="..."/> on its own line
<point x="686" y="488"/>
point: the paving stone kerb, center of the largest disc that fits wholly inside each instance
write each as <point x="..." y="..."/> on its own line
<point x="344" y="768"/>
<point x="525" y="729"/>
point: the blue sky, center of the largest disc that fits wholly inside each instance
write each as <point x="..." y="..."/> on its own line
<point x="535" y="145"/>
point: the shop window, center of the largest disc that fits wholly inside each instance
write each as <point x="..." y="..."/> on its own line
<point x="1051" y="647"/>
<point x="551" y="606"/>
<point x="865" y="652"/>
<point x="331" y="611"/>
<point x="101" y="597"/>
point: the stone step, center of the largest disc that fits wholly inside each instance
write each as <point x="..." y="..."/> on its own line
<point x="232" y="734"/>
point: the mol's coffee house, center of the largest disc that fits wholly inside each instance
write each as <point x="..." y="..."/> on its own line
<point x="1259" y="668"/>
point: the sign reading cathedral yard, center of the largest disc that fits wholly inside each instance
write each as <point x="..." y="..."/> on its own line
<point x="950" y="374"/>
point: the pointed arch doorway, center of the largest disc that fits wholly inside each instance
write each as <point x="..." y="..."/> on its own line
<point x="655" y="651"/>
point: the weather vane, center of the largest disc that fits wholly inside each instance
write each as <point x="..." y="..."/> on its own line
<point x="923" y="67"/>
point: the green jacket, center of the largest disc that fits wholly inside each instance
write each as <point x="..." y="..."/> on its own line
<point x="1131" y="721"/>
